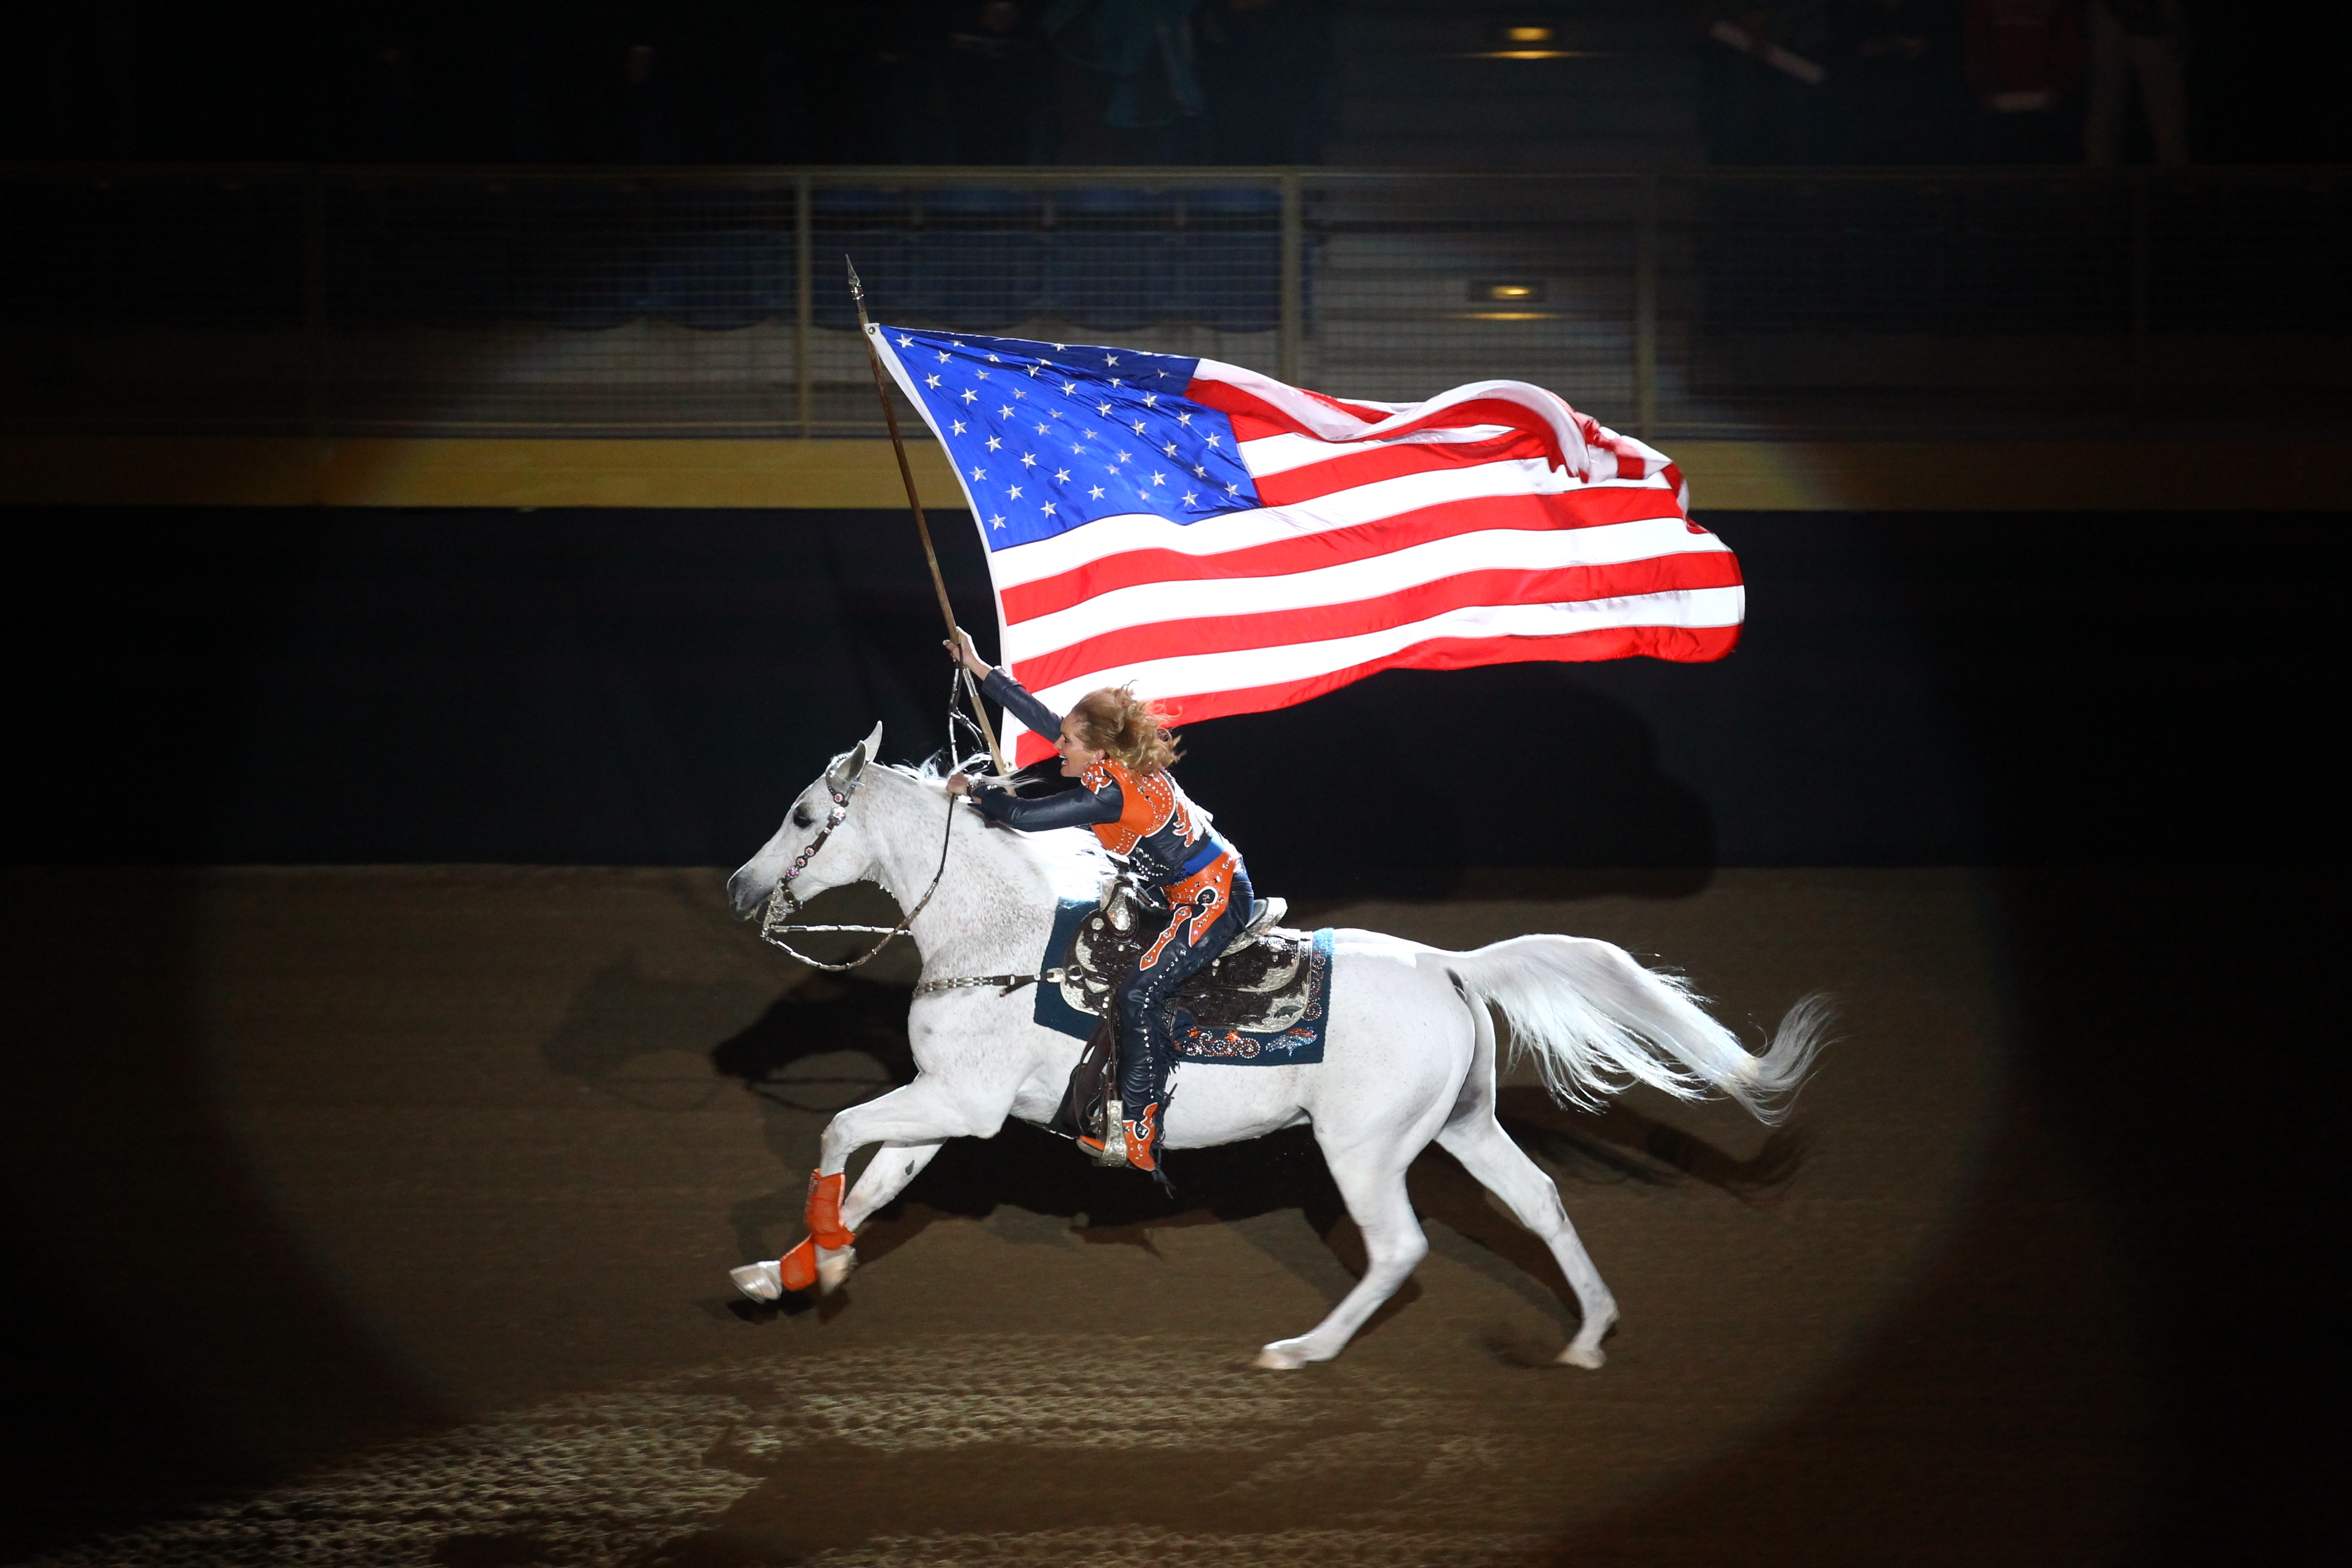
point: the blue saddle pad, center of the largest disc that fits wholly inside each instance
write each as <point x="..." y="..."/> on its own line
<point x="1053" y="1009"/>
<point x="1301" y="1042"/>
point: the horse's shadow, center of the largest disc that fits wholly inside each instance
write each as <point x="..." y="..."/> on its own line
<point x="1028" y="1170"/>
<point x="817" y="1017"/>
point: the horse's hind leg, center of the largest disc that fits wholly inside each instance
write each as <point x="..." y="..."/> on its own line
<point x="1487" y="1152"/>
<point x="1371" y="1182"/>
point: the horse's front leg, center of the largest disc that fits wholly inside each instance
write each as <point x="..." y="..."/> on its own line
<point x="885" y="1176"/>
<point x="911" y="1122"/>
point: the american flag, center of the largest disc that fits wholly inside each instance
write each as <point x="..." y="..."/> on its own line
<point x="1231" y="545"/>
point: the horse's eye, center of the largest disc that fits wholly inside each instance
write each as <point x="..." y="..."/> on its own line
<point x="802" y="818"/>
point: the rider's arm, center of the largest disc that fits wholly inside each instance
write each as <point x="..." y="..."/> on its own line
<point x="1071" y="808"/>
<point x="1021" y="705"/>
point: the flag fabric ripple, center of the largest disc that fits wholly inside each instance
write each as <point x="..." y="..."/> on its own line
<point x="1231" y="545"/>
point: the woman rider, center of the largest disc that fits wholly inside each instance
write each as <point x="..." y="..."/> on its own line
<point x="1116" y="744"/>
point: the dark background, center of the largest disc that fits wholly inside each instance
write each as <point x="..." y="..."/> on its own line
<point x="778" y="81"/>
<point x="566" y="687"/>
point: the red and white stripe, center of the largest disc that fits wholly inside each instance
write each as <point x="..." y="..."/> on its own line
<point x="1489" y="525"/>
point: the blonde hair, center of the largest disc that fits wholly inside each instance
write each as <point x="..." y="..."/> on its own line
<point x="1115" y="719"/>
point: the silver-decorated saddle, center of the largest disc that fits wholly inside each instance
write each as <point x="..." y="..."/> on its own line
<point x="1263" y="1001"/>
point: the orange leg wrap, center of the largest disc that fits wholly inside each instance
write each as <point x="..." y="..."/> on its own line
<point x="825" y="1211"/>
<point x="798" y="1267"/>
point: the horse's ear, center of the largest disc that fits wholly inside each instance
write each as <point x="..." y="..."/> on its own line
<point x="844" y="773"/>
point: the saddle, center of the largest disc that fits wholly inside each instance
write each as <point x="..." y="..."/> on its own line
<point x="1259" y="982"/>
<point x="1263" y="980"/>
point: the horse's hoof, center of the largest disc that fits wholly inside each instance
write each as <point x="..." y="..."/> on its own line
<point x="833" y="1267"/>
<point x="1589" y="1358"/>
<point x="1283" y="1355"/>
<point x="758" y="1280"/>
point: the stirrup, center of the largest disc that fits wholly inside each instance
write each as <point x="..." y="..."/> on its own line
<point x="1265" y="914"/>
<point x="1110" y="1149"/>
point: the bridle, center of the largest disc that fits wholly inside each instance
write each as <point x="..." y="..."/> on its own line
<point x="776" y="916"/>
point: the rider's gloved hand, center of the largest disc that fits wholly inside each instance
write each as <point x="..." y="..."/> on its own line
<point x="960" y="651"/>
<point x="965" y="784"/>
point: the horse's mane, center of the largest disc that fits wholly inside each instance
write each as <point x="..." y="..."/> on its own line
<point x="1070" y="860"/>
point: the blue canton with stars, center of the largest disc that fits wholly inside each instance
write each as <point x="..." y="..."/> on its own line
<point x="1049" y="436"/>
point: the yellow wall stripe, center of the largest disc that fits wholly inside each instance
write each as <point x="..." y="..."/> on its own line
<point x="1767" y="476"/>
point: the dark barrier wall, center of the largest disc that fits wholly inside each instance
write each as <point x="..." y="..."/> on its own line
<point x="652" y="687"/>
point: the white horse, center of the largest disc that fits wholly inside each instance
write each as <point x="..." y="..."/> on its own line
<point x="1409" y="1052"/>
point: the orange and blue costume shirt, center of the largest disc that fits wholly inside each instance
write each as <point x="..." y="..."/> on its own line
<point x="1144" y="819"/>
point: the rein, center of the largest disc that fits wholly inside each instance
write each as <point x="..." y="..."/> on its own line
<point x="776" y="918"/>
<point x="776" y="922"/>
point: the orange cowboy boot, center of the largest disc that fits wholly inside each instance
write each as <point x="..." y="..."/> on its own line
<point x="1143" y="1139"/>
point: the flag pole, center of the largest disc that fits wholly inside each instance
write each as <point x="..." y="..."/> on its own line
<point x="914" y="504"/>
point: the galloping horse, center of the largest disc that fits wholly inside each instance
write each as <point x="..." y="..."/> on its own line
<point x="1410" y="1055"/>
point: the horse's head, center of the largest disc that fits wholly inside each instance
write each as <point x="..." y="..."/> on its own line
<point x="789" y="855"/>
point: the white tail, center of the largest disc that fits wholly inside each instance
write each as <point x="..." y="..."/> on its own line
<point x="1595" y="1021"/>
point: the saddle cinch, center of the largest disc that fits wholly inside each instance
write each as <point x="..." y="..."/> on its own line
<point x="1263" y="980"/>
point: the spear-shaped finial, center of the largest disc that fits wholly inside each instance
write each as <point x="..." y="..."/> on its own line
<point x="857" y="289"/>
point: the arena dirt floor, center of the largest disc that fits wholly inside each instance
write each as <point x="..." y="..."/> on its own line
<point x="397" y="1207"/>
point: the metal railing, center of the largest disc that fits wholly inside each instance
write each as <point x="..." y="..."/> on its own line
<point x="707" y="302"/>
